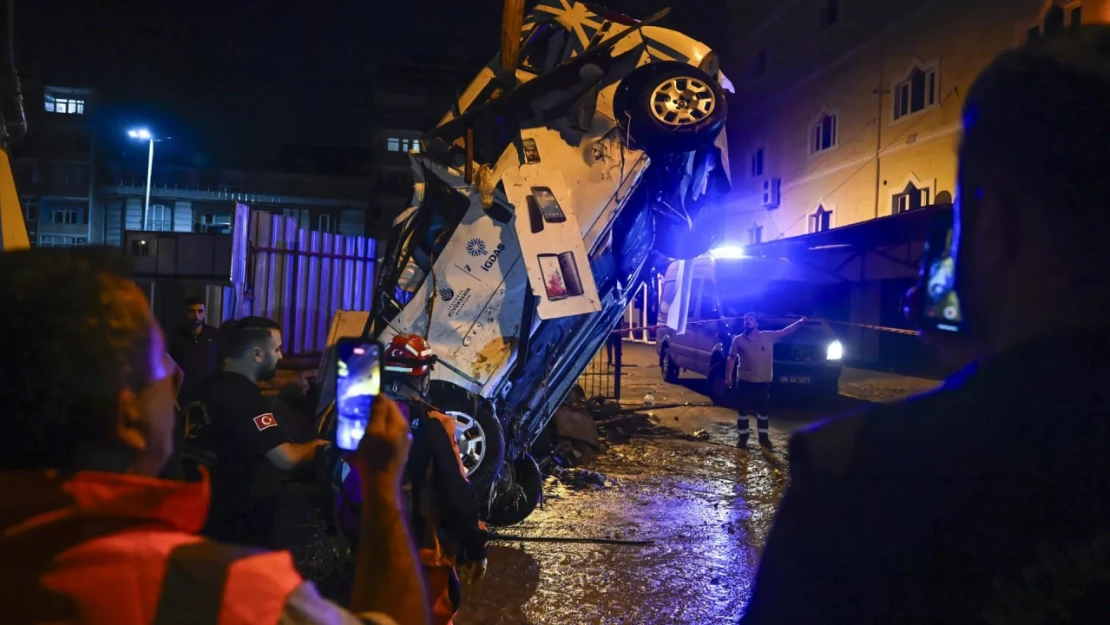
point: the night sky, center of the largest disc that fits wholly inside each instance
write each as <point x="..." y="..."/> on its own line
<point x="233" y="81"/>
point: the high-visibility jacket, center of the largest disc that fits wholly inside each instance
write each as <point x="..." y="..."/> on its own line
<point x="122" y="549"/>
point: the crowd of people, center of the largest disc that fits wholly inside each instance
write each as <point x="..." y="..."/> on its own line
<point x="139" y="472"/>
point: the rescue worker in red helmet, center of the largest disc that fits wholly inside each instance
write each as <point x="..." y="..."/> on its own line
<point x="442" y="502"/>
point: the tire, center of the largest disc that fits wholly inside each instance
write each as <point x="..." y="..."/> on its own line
<point x="666" y="365"/>
<point x="715" y="386"/>
<point x="671" y="107"/>
<point x="478" y="432"/>
<point x="517" y="496"/>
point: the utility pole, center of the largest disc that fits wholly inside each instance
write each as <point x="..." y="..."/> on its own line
<point x="512" y="21"/>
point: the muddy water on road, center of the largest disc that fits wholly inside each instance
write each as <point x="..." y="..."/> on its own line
<point x="707" y="507"/>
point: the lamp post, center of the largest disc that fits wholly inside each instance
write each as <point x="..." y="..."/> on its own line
<point x="145" y="135"/>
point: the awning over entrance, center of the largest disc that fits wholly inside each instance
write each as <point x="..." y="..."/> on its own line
<point x="877" y="249"/>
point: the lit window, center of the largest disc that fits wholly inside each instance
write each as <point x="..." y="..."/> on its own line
<point x="393" y="144"/>
<point x="757" y="163"/>
<point x="64" y="216"/>
<point x="917" y="92"/>
<point x="820" y="220"/>
<point x="66" y="106"/>
<point x="823" y="133"/>
<point x="755" y="235"/>
<point x="160" y="218"/>
<point x="911" y="198"/>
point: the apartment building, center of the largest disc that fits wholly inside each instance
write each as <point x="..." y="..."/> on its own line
<point x="843" y="136"/>
<point x="53" y="167"/>
<point x="849" y="110"/>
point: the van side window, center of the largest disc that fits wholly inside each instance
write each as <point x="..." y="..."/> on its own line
<point x="670" y="287"/>
<point x="707" y="308"/>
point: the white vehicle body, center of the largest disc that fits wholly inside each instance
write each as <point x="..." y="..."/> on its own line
<point x="504" y="267"/>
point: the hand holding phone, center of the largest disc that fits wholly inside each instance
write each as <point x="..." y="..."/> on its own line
<point x="358" y="382"/>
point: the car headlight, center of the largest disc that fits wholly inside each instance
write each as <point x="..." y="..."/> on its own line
<point x="835" y="351"/>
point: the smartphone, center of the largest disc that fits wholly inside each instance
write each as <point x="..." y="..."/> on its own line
<point x="358" y="382"/>
<point x="941" y="302"/>
<point x="549" y="206"/>
<point x="535" y="218"/>
<point x="552" y="272"/>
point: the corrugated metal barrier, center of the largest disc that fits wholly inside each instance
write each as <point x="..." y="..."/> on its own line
<point x="298" y="277"/>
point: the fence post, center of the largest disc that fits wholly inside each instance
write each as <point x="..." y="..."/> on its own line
<point x="617" y="349"/>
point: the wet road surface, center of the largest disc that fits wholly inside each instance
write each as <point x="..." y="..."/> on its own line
<point x="691" y="517"/>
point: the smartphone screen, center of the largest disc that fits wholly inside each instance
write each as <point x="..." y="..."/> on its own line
<point x="552" y="271"/>
<point x="358" y="381"/>
<point x="549" y="206"/>
<point x="942" y="303"/>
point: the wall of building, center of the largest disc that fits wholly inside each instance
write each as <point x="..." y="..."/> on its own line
<point x="790" y="70"/>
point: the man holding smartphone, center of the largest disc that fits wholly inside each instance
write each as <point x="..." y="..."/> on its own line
<point x="238" y="431"/>
<point x="88" y="534"/>
<point x="987" y="500"/>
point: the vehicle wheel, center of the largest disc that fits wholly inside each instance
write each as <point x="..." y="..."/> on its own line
<point x="671" y="108"/>
<point x="715" y="383"/>
<point x="666" y="364"/>
<point x="516" y="496"/>
<point x="477" y="432"/>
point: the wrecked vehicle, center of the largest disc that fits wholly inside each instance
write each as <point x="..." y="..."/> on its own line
<point x="539" y="200"/>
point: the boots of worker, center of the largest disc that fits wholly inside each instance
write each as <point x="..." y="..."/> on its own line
<point x="742" y="432"/>
<point x="763" y="425"/>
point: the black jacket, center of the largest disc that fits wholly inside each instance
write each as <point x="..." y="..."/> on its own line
<point x="433" y="470"/>
<point x="987" y="501"/>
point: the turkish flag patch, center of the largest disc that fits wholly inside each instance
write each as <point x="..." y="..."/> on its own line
<point x="264" y="421"/>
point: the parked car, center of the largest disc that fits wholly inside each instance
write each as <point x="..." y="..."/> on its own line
<point x="538" y="200"/>
<point x="720" y="291"/>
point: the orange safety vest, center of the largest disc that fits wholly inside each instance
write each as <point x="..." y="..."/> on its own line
<point x="121" y="549"/>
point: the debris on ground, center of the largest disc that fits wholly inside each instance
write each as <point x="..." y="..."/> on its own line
<point x="583" y="479"/>
<point x="699" y="435"/>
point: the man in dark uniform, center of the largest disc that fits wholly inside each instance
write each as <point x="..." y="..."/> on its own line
<point x="195" y="345"/>
<point x="987" y="501"/>
<point x="234" y="430"/>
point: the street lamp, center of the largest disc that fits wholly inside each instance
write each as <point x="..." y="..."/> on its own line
<point x="144" y="135"/>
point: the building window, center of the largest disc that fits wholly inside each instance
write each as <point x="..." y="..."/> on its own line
<point x="57" y="240"/>
<point x="1060" y="16"/>
<point x="759" y="63"/>
<point x="160" y="218"/>
<point x="30" y="209"/>
<point x="67" y="106"/>
<point x="64" y="216"/>
<point x="917" y="92"/>
<point x="911" y="198"/>
<point x="829" y="13"/>
<point x="823" y="133"/>
<point x="820" y="220"/>
<point x="323" y="223"/>
<point x="397" y="144"/>
<point x="755" y="235"/>
<point x="757" y="163"/>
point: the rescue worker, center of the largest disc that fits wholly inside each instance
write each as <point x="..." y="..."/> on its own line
<point x="750" y="368"/>
<point x="988" y="500"/>
<point x="442" y="502"/>
<point x="234" y="431"/>
<point x="87" y="533"/>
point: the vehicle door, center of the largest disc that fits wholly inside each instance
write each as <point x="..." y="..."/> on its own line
<point x="703" y="331"/>
<point x="682" y="345"/>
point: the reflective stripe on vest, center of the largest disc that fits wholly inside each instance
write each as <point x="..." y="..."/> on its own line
<point x="220" y="584"/>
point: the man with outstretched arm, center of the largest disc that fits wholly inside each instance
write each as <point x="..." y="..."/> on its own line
<point x="751" y="362"/>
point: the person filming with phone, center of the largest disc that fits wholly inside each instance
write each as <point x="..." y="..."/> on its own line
<point x="231" y="425"/>
<point x="988" y="500"/>
<point x="445" y="516"/>
<point x="88" y="533"/>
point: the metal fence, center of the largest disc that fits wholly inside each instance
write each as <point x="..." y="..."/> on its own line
<point x="297" y="277"/>
<point x="602" y="377"/>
